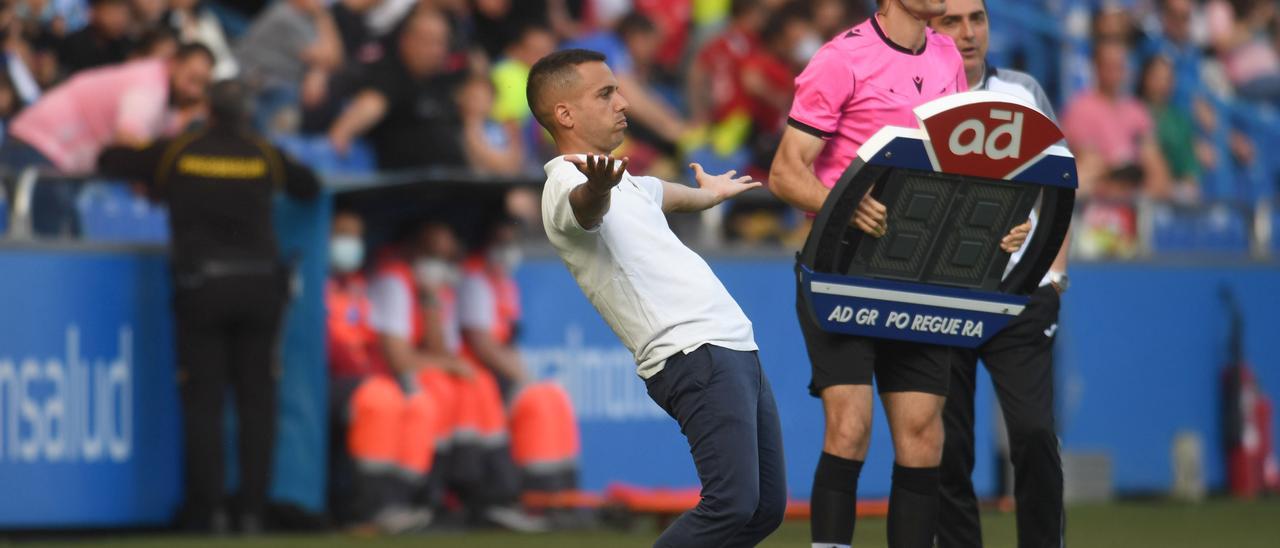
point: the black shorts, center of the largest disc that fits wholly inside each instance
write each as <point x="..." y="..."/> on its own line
<point x="896" y="366"/>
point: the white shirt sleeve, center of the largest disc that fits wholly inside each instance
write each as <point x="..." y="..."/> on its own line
<point x="556" y="211"/>
<point x="652" y="186"/>
<point x="476" y="303"/>
<point x="391" y="307"/>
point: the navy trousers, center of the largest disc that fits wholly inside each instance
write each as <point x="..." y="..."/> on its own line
<point x="725" y="408"/>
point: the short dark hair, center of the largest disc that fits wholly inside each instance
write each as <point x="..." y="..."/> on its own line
<point x="524" y="31"/>
<point x="1149" y="64"/>
<point x="154" y="36"/>
<point x="190" y="49"/>
<point x="741" y="7"/>
<point x="634" y="23"/>
<point x="778" y="20"/>
<point x="551" y="71"/>
<point x="230" y="104"/>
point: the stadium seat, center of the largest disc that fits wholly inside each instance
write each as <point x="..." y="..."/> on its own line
<point x="314" y="151"/>
<point x="1219" y="228"/>
<point x="110" y="212"/>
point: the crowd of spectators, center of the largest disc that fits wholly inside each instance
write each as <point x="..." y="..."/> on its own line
<point x="440" y="83"/>
<point x="1174" y="110"/>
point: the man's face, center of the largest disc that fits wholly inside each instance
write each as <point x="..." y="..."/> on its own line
<point x="1111" y="65"/>
<point x="536" y="45"/>
<point x="924" y="10"/>
<point x="598" y="109"/>
<point x="966" y="22"/>
<point x="346" y="224"/>
<point x="493" y="8"/>
<point x="643" y="46"/>
<point x="1176" y="20"/>
<point x="437" y="242"/>
<point x="425" y="45"/>
<point x="112" y="19"/>
<point x="190" y="79"/>
<point x="150" y="11"/>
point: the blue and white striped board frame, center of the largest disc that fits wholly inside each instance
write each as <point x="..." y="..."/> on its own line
<point x="930" y="313"/>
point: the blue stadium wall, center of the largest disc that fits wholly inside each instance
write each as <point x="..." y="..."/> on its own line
<point x="1140" y="350"/>
<point x="90" y="430"/>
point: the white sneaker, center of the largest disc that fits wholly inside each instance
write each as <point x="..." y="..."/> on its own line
<point x="516" y="520"/>
<point x="400" y="521"/>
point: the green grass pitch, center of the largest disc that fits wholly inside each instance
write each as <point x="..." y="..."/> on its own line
<point x="1216" y="524"/>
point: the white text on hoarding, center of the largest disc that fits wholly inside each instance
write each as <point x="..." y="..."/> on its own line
<point x="69" y="408"/>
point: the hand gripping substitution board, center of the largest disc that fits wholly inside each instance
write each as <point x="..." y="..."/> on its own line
<point x="979" y="165"/>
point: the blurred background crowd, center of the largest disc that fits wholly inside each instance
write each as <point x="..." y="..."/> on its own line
<point x="363" y="87"/>
<point x="1170" y="107"/>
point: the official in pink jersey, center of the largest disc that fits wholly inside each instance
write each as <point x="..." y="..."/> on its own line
<point x="868" y="77"/>
<point x="129" y="104"/>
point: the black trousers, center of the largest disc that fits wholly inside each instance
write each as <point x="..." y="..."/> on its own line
<point x="227" y="329"/>
<point x="1020" y="361"/>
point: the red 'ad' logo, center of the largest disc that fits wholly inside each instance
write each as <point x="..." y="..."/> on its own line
<point x="985" y="134"/>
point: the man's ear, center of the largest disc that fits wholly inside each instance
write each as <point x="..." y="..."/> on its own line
<point x="563" y="115"/>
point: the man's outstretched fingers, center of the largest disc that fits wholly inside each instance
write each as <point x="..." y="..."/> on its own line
<point x="622" y="168"/>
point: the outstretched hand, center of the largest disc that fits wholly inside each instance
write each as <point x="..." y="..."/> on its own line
<point x="723" y="186"/>
<point x="603" y="171"/>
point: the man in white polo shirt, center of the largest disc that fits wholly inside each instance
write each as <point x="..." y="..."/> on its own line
<point x="1019" y="357"/>
<point x="693" y="345"/>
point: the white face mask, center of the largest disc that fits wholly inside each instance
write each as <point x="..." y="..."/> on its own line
<point x="507" y="257"/>
<point x="806" y="48"/>
<point x="433" y="272"/>
<point x="345" y="253"/>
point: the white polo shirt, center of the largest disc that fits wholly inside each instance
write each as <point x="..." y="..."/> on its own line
<point x="659" y="296"/>
<point x="1025" y="87"/>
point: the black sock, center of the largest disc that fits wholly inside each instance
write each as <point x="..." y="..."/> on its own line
<point x="834" y="500"/>
<point x="913" y="507"/>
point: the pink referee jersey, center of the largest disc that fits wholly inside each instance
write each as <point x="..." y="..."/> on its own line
<point x="71" y="123"/>
<point x="861" y="81"/>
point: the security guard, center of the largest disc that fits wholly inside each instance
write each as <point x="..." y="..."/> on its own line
<point x="230" y="291"/>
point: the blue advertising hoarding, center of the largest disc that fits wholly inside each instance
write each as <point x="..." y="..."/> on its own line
<point x="1139" y="352"/>
<point x="89" y="423"/>
<point x="90" y="426"/>
<point x="627" y="438"/>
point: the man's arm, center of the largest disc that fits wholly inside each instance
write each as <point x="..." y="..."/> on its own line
<point x="792" y="179"/>
<point x="712" y="189"/>
<point x="435" y="351"/>
<point x="649" y="110"/>
<point x="484" y="157"/>
<point x="400" y="354"/>
<point x="696" y="89"/>
<point x="300" y="181"/>
<point x="364" y="112"/>
<point x="1156" y="172"/>
<point x="502" y="359"/>
<point x="325" y="52"/>
<point x="132" y="163"/>
<point x="1060" y="262"/>
<point x="590" y="200"/>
